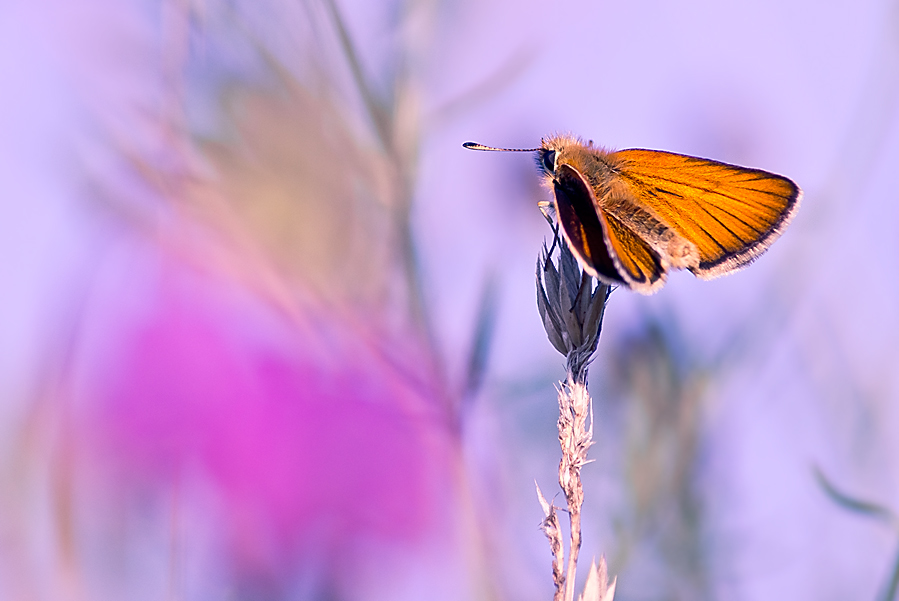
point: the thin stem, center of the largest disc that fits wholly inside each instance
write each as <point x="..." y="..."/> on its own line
<point x="571" y="304"/>
<point x="575" y="439"/>
<point x="575" y="515"/>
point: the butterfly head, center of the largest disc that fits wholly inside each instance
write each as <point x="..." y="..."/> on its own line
<point x="559" y="149"/>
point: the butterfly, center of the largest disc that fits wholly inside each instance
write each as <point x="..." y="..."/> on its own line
<point x="631" y="216"/>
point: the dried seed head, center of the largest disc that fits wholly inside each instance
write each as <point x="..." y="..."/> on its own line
<point x="571" y="304"/>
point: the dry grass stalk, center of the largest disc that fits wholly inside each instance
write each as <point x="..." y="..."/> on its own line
<point x="571" y="304"/>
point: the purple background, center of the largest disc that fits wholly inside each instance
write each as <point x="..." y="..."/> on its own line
<point x="211" y="381"/>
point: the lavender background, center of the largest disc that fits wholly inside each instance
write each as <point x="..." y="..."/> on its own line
<point x="224" y="374"/>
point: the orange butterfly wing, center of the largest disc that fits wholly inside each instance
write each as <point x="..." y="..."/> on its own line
<point x="640" y="265"/>
<point x="732" y="214"/>
<point x="601" y="242"/>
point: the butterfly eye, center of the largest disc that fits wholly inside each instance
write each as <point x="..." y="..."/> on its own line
<point x="549" y="160"/>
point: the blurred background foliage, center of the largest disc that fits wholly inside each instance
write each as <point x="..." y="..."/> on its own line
<point x="269" y="332"/>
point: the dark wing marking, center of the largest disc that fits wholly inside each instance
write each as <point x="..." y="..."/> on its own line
<point x="576" y="208"/>
<point x="614" y="253"/>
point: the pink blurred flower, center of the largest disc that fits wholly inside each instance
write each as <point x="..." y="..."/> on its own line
<point x="318" y="449"/>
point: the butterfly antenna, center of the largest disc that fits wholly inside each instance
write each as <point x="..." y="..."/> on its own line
<point x="476" y="146"/>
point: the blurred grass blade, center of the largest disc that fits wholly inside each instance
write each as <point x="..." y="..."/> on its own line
<point x="856" y="505"/>
<point x="485" y="326"/>
<point x="376" y="108"/>
<point x="870" y="509"/>
<point x="889" y="591"/>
